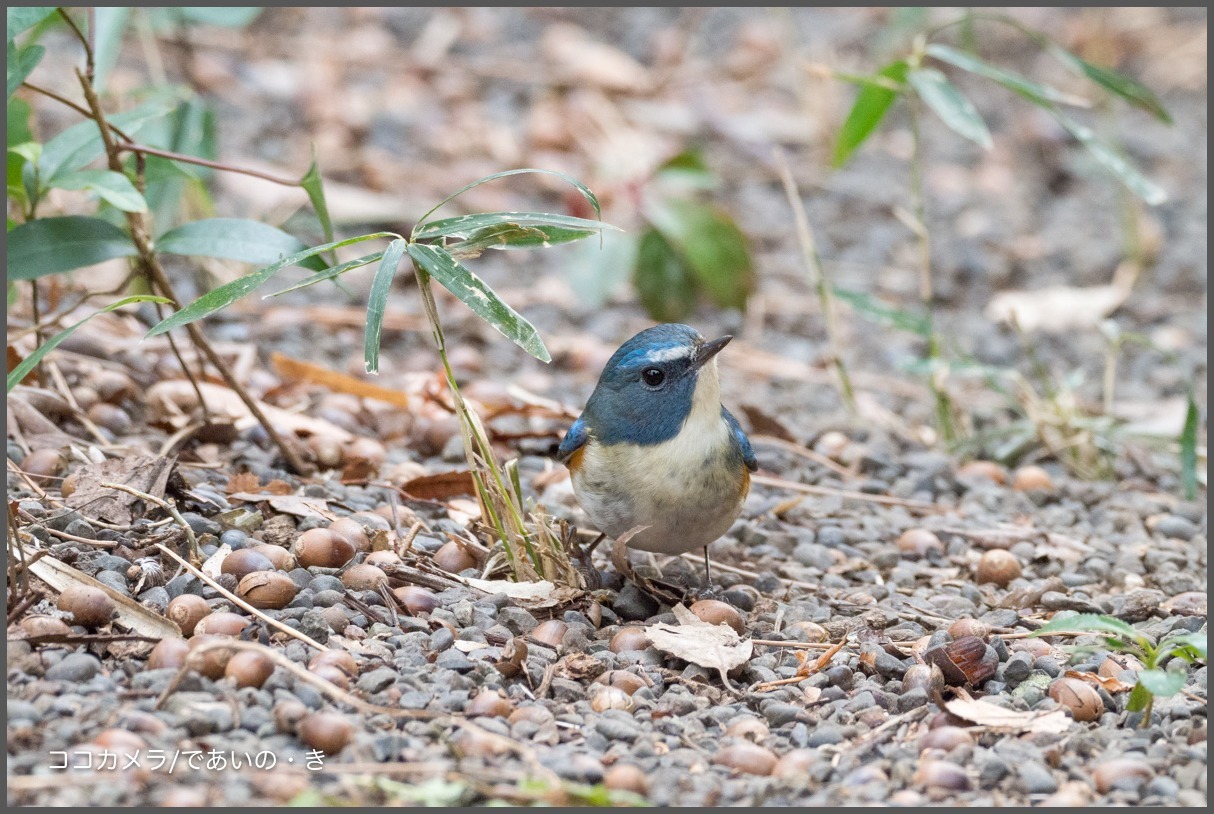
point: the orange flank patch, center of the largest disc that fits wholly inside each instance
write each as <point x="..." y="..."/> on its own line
<point x="575" y="460"/>
<point x="744" y="487"/>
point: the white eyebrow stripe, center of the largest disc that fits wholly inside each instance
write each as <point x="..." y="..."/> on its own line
<point x="669" y="354"/>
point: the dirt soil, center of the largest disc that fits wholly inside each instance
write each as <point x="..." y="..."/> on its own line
<point x="871" y="547"/>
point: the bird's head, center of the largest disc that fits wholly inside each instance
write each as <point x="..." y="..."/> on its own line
<point x="653" y="383"/>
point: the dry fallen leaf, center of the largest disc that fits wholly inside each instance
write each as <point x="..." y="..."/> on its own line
<point x="131" y="615"/>
<point x="1111" y="684"/>
<point x="994" y="716"/>
<point x="213" y="566"/>
<point x="1062" y="308"/>
<point x="171" y="402"/>
<point x="299" y="370"/>
<point x="540" y="594"/>
<point x="147" y="473"/>
<point x="298" y="505"/>
<point x="443" y="486"/>
<point x="717" y="647"/>
<point x="243" y="482"/>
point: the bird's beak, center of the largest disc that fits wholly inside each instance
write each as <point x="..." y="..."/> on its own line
<point x="709" y="350"/>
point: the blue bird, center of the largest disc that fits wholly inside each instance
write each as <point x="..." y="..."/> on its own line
<point x="656" y="448"/>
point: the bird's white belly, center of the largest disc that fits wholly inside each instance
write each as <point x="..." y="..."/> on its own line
<point x="687" y="492"/>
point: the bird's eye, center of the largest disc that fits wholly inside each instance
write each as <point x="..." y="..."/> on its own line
<point x="653" y="377"/>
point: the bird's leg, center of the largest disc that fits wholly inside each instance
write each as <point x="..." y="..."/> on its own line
<point x="707" y="570"/>
<point x="590" y="548"/>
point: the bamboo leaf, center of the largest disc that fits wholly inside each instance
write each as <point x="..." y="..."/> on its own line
<point x="473" y="292"/>
<point x="30" y="362"/>
<point x="52" y="245"/>
<point x="1131" y="90"/>
<point x="466" y="226"/>
<point x="329" y="274"/>
<point x="712" y="246"/>
<point x="1114" y="162"/>
<point x="110" y="23"/>
<point x="315" y="187"/>
<point x="513" y="236"/>
<point x="663" y="282"/>
<point x="377" y="301"/>
<point x="950" y="105"/>
<point x="1033" y="91"/>
<point x="81" y="143"/>
<point x="225" y="295"/>
<point x="870" y="107"/>
<point x="234" y="239"/>
<point x="582" y="188"/>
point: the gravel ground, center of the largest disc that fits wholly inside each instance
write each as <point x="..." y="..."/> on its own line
<point x="907" y="555"/>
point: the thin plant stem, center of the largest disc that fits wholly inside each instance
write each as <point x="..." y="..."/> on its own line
<point x="34" y="313"/>
<point x="149" y="263"/>
<point x="817" y="278"/>
<point x="85" y="41"/>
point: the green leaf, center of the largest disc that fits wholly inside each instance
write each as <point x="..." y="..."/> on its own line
<point x="870" y="107"/>
<point x="377" y="301"/>
<point x="465" y="226"/>
<point x="113" y="187"/>
<point x="52" y="245"/>
<point x="23" y="18"/>
<point x="18" y="133"/>
<point x="22" y="370"/>
<point x="227" y="294"/>
<point x="514" y="236"/>
<point x="712" y="246"/>
<point x="950" y="105"/>
<point x="234" y="239"/>
<point x="1114" y="162"/>
<point x="110" y="25"/>
<point x="223" y="16"/>
<point x="582" y="188"/>
<point x="81" y="143"/>
<point x="329" y="273"/>
<point x="882" y="314"/>
<point x="663" y="282"/>
<point x="1162" y="683"/>
<point x="315" y="187"/>
<point x="1188" y="448"/>
<point x="473" y="292"/>
<point x="1034" y="92"/>
<point x="1188" y="646"/>
<point x="1139" y="697"/>
<point x="21" y="63"/>
<point x="1133" y="91"/>
<point x="1094" y="623"/>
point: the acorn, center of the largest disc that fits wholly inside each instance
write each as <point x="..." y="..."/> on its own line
<point x="626" y="777"/>
<point x="532" y="713"/>
<point x="364" y="578"/>
<point x="353" y="532"/>
<point x="794" y="765"/>
<point x="168" y="653"/>
<point x="272" y="590"/>
<point x="748" y="728"/>
<point x="87" y="606"/>
<point x="969" y="627"/>
<point x="278" y="556"/>
<point x="367" y="450"/>
<point x="967" y="660"/>
<point x="326" y="450"/>
<point x="333" y="674"/>
<point x="946" y="739"/>
<point x="454" y="558"/>
<point x="941" y="774"/>
<point x="806" y="631"/>
<point x="186" y="611"/>
<point x="214" y="662"/>
<point x="249" y="668"/>
<point x="988" y="470"/>
<point x="112" y="386"/>
<point x="1121" y="771"/>
<point x="43" y="465"/>
<point x="490" y="704"/>
<point x="416" y="599"/>
<point x="325" y="731"/>
<point x="340" y="659"/>
<point x="321" y="548"/>
<point x="746" y="757"/>
<point x="1077" y="697"/>
<point x="550" y="633"/>
<point x="929" y="677"/>
<point x="67" y="487"/>
<point x="245" y="561"/>
<point x="622" y="680"/>
<point x="112" y="418"/>
<point x="915" y="543"/>
<point x="287" y="714"/>
<point x="33" y="626"/>
<point x="1032" y="478"/>
<point x="715" y="612"/>
<point x="382" y="559"/>
<point x="221" y="623"/>
<point x="628" y="638"/>
<point x="604" y="697"/>
<point x="999" y="567"/>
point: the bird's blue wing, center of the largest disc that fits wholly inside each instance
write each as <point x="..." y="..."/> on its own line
<point x="574" y="440"/>
<point x="740" y="439"/>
